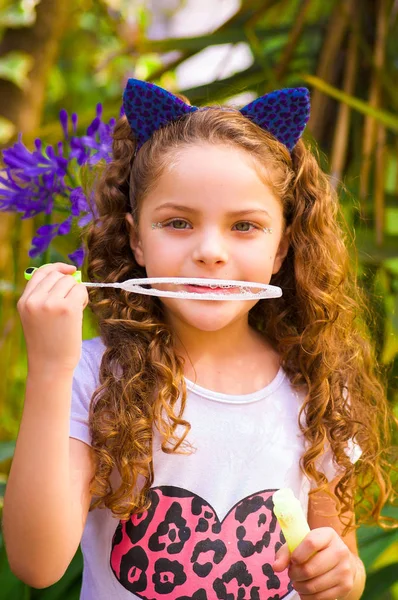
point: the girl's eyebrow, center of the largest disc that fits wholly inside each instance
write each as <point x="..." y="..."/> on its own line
<point x="237" y="213"/>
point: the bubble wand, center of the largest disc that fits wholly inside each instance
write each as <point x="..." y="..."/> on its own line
<point x="245" y="290"/>
<point x="291" y="518"/>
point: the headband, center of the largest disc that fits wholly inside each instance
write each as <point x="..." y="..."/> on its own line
<point x="283" y="113"/>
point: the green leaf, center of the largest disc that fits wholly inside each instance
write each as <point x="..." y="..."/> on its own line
<point x="68" y="587"/>
<point x="392" y="265"/>
<point x="15" y="67"/>
<point x="17" y="13"/>
<point x="7" y="130"/>
<point x="369" y="252"/>
<point x="373" y="541"/>
<point x="6" y="450"/>
<point x="392" y="220"/>
<point x="380" y="581"/>
<point x="232" y="35"/>
<point x="11" y="587"/>
<point x="382" y="116"/>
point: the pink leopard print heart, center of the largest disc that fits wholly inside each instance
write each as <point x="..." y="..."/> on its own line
<point x="179" y="549"/>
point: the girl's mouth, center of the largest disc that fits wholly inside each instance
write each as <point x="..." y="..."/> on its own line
<point x="205" y="289"/>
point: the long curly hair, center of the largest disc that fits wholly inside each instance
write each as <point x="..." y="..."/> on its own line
<point x="319" y="327"/>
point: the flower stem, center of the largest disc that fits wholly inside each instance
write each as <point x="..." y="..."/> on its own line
<point x="46" y="253"/>
<point x="72" y="179"/>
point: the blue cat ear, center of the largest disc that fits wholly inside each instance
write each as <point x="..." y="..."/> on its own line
<point x="149" y="107"/>
<point x="284" y="113"/>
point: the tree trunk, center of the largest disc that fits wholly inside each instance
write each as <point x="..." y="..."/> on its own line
<point x="41" y="41"/>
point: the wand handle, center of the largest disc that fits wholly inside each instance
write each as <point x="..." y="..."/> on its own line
<point x="28" y="273"/>
<point x="291" y="518"/>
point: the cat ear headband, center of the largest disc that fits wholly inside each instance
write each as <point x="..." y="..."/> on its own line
<point x="283" y="113"/>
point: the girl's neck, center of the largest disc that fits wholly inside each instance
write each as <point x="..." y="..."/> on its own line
<point x="236" y="359"/>
<point x="216" y="345"/>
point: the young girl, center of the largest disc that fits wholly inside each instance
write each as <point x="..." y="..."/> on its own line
<point x="159" y="444"/>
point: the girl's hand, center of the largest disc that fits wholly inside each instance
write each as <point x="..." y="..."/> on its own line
<point x="321" y="567"/>
<point x="51" y="311"/>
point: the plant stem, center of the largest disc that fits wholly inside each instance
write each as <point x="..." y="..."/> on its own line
<point x="46" y="254"/>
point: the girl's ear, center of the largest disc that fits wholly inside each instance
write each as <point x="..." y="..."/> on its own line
<point x="135" y="242"/>
<point x="282" y="250"/>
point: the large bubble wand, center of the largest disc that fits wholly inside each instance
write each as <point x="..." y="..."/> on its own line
<point x="193" y="288"/>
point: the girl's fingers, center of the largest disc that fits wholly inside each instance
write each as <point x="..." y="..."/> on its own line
<point x="62" y="286"/>
<point x="317" y="584"/>
<point x="78" y="294"/>
<point x="43" y="272"/>
<point x="315" y="567"/>
<point x="330" y="594"/>
<point x="69" y="289"/>
<point x="44" y="284"/>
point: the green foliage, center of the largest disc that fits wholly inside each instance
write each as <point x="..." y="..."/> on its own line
<point x="15" y="66"/>
<point x="17" y="13"/>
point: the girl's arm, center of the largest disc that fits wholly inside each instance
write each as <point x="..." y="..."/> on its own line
<point x="323" y="504"/>
<point x="47" y="498"/>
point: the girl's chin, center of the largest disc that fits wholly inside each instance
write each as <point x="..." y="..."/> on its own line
<point x="210" y="315"/>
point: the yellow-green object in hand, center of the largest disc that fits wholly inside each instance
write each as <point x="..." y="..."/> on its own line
<point x="30" y="270"/>
<point x="291" y="518"/>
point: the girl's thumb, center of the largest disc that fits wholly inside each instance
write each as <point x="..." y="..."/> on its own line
<point x="282" y="558"/>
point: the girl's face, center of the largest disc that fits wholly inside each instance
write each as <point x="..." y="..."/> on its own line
<point x="212" y="206"/>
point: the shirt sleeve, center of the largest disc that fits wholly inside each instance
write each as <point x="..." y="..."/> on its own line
<point x="327" y="465"/>
<point x="85" y="382"/>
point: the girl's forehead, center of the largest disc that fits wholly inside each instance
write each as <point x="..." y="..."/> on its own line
<point x="211" y="156"/>
<point x="207" y="169"/>
<point x="208" y="200"/>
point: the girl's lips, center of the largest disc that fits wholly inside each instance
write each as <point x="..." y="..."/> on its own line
<point x="205" y="289"/>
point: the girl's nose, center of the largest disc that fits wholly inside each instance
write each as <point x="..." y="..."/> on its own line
<point x="210" y="249"/>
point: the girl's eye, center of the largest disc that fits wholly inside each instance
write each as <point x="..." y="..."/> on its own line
<point x="177" y="224"/>
<point x="245" y="226"/>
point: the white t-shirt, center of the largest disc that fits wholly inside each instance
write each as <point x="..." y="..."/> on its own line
<point x="210" y="532"/>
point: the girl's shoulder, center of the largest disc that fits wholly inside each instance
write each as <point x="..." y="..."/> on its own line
<point x="90" y="360"/>
<point x="85" y="382"/>
<point x="92" y="351"/>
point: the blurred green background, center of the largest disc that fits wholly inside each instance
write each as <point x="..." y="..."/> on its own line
<point x="56" y="54"/>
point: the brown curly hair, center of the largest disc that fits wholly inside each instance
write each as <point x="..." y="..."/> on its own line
<point x="318" y="326"/>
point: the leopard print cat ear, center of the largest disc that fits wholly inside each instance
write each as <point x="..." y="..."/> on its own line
<point x="284" y="113"/>
<point x="149" y="107"/>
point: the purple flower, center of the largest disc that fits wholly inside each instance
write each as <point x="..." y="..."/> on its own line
<point x="36" y="163"/>
<point x="63" y="117"/>
<point x="77" y="256"/>
<point x="65" y="227"/>
<point x="29" y="195"/>
<point x="41" y="181"/>
<point x="80" y="207"/>
<point x="78" y="202"/>
<point x="43" y="238"/>
<point x="98" y="138"/>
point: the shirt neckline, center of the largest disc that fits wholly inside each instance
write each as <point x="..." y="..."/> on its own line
<point x="237" y="398"/>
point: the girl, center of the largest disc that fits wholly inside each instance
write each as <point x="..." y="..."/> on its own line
<point x="187" y="415"/>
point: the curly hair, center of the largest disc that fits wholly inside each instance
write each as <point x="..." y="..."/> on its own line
<point x="319" y="326"/>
